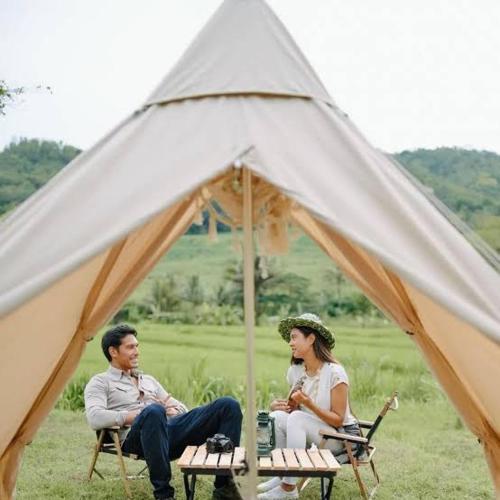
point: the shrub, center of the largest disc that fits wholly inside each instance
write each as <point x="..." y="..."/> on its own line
<point x="72" y="397"/>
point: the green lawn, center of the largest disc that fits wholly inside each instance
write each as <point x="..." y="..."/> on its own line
<point x="423" y="449"/>
<point x="198" y="255"/>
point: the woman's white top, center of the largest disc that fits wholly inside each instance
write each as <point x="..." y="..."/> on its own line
<point x="319" y="386"/>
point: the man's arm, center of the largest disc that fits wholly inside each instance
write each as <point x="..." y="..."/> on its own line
<point x="168" y="400"/>
<point x="96" y="402"/>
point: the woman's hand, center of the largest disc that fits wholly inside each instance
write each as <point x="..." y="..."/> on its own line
<point x="280" y="404"/>
<point x="301" y="399"/>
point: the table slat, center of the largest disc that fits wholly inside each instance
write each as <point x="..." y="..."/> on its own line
<point x="199" y="457"/>
<point x="212" y="460"/>
<point x="278" y="460"/>
<point x="265" y="463"/>
<point x="303" y="458"/>
<point x="316" y="459"/>
<point x="186" y="457"/>
<point x="238" y="458"/>
<point x="290" y="459"/>
<point x="225" y="459"/>
<point x="330" y="460"/>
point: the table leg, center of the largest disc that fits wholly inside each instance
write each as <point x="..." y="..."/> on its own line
<point x="329" y="488"/>
<point x="189" y="488"/>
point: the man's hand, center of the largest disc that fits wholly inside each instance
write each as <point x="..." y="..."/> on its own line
<point x="171" y="409"/>
<point x="130" y="417"/>
<point x="280" y="404"/>
<point x="301" y="399"/>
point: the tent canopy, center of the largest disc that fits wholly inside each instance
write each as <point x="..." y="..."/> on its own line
<point x="243" y="95"/>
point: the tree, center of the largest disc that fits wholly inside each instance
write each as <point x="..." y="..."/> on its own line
<point x="27" y="165"/>
<point x="234" y="275"/>
<point x="336" y="277"/>
<point x="164" y="294"/>
<point x="193" y="292"/>
<point x="273" y="288"/>
<point x="8" y="95"/>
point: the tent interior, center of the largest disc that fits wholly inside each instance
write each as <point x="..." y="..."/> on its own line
<point x="119" y="207"/>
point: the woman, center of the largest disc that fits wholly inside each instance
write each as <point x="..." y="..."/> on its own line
<point x="318" y="396"/>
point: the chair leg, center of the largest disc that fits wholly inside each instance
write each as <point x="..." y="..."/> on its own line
<point x="302" y="483"/>
<point x="141" y="472"/>
<point x="376" y="477"/>
<point x="121" y="463"/>
<point x="354" y="464"/>
<point x="96" y="454"/>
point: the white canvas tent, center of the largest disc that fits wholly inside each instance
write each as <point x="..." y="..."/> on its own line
<point x="242" y="95"/>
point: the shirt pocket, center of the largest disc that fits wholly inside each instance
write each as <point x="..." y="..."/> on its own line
<point x="123" y="394"/>
<point x="148" y="388"/>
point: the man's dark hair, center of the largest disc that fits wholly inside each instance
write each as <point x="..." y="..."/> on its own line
<point x="113" y="338"/>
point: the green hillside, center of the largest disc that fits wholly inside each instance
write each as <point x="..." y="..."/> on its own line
<point x="467" y="181"/>
<point x="27" y="165"/>
<point x="196" y="255"/>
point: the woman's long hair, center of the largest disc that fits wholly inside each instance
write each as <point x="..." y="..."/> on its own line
<point x="321" y="348"/>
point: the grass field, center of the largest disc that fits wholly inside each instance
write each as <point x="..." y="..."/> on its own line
<point x="198" y="255"/>
<point x="424" y="450"/>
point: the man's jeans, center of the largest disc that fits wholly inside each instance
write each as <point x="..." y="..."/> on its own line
<point x="159" y="438"/>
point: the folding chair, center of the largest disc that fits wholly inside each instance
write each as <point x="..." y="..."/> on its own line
<point x="364" y="453"/>
<point x="108" y="441"/>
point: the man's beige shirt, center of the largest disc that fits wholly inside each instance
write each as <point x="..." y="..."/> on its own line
<point x="109" y="396"/>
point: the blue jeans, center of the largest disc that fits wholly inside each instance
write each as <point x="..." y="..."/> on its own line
<point x="159" y="438"/>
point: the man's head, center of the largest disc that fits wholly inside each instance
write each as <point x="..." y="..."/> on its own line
<point x="120" y="346"/>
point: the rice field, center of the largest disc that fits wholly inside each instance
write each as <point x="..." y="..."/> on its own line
<point x="424" y="451"/>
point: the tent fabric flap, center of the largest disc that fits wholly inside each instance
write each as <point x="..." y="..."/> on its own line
<point x="115" y="275"/>
<point x="466" y="363"/>
<point x="242" y="96"/>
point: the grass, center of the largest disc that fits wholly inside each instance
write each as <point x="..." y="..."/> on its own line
<point x="198" y="255"/>
<point x="423" y="449"/>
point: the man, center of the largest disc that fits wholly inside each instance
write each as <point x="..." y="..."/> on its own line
<point x="160" y="426"/>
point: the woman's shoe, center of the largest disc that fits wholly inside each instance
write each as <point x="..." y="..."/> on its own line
<point x="278" y="493"/>
<point x="269" y="485"/>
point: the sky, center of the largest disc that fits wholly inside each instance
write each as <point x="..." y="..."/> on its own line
<point x="410" y="74"/>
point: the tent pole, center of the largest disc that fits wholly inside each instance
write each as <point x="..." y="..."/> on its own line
<point x="249" y="307"/>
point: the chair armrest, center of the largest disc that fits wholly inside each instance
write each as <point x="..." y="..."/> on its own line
<point x="329" y="434"/>
<point x="367" y="424"/>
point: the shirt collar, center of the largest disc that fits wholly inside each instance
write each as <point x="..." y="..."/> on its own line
<point x="117" y="374"/>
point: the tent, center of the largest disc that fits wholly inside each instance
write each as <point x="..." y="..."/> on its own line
<point x="242" y="105"/>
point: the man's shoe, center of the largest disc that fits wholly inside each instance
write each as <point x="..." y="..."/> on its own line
<point x="269" y="485"/>
<point x="227" y="492"/>
<point x="278" y="493"/>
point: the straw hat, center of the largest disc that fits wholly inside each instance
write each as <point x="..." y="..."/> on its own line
<point x="307" y="319"/>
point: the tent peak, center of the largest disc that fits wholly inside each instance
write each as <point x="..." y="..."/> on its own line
<point x="243" y="49"/>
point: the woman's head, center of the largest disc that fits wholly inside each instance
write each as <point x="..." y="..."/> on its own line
<point x="305" y="340"/>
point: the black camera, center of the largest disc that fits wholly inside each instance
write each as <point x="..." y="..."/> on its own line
<point x="219" y="443"/>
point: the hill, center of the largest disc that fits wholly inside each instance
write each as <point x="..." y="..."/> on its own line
<point x="466" y="181"/>
<point x="27" y="165"/>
